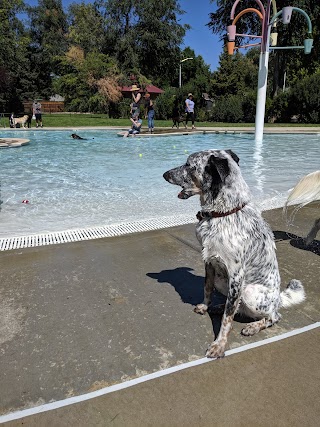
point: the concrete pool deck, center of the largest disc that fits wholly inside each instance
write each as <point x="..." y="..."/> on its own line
<point x="13" y="142"/>
<point x="81" y="317"/>
<point x="210" y="129"/>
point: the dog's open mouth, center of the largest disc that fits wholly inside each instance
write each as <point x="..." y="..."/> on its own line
<point x="184" y="194"/>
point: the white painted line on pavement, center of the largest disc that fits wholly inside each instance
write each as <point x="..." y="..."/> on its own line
<point x="77" y="399"/>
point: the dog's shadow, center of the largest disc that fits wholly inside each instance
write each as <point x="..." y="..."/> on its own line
<point x="190" y="288"/>
<point x="297" y="241"/>
<point x="186" y="284"/>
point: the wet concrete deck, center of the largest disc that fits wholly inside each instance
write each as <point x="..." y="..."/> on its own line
<point x="80" y="316"/>
<point x="313" y="129"/>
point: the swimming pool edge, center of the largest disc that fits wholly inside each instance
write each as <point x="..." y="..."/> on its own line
<point x="98" y="232"/>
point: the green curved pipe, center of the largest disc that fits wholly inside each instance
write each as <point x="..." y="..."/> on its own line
<point x="298" y="10"/>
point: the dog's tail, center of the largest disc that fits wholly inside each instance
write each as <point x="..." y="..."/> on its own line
<point x="293" y="294"/>
<point x="306" y="191"/>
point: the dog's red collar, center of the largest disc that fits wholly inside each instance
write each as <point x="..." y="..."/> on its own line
<point x="213" y="214"/>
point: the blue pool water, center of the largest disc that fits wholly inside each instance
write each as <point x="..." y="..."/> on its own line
<point x="110" y="180"/>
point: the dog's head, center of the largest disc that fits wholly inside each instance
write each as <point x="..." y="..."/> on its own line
<point x="213" y="174"/>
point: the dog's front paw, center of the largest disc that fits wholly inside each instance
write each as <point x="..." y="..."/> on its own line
<point x="216" y="350"/>
<point x="201" y="308"/>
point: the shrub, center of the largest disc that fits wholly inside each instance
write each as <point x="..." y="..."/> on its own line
<point x="228" y="109"/>
<point x="249" y="107"/>
<point x="306" y="98"/>
<point x="164" y="104"/>
<point x="279" y="109"/>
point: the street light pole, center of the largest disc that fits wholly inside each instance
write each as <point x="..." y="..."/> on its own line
<point x="182" y="60"/>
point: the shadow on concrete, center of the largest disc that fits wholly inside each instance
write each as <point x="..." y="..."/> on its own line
<point x="186" y="284"/>
<point x="190" y="288"/>
<point x="297" y="241"/>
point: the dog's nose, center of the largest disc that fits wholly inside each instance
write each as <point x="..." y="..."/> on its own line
<point x="166" y="175"/>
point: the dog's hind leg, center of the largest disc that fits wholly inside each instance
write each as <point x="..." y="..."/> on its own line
<point x="313" y="232"/>
<point x="257" y="326"/>
<point x="259" y="302"/>
<point x="208" y="289"/>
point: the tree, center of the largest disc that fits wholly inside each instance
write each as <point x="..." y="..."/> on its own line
<point x="13" y="60"/>
<point x="48" y="31"/>
<point x="86" y="28"/>
<point x="49" y="27"/>
<point x="144" y="35"/>
<point x="88" y="82"/>
<point x="159" y="36"/>
<point x="236" y="75"/>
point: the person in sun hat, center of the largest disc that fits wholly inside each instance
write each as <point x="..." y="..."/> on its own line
<point x="136" y="99"/>
<point x="190" y="110"/>
<point x="149" y="111"/>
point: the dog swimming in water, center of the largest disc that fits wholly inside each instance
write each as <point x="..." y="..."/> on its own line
<point x="75" y="136"/>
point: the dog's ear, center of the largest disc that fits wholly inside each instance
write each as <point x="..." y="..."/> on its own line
<point x="218" y="168"/>
<point x="233" y="155"/>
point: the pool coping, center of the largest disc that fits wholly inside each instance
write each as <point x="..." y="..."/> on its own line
<point x="163" y="131"/>
<point x="91" y="233"/>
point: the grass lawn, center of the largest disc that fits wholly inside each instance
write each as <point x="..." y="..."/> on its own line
<point x="76" y="120"/>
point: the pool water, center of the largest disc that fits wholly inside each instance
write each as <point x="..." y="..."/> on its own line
<point x="108" y="180"/>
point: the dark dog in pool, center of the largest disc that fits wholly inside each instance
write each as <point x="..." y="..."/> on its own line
<point x="75" y="136"/>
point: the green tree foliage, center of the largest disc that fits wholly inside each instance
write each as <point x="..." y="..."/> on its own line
<point x="194" y="73"/>
<point x="306" y="102"/>
<point x="236" y="74"/>
<point x="234" y="84"/>
<point x="86" y="27"/>
<point x="13" y="58"/>
<point x="88" y="82"/>
<point x="144" y="34"/>
<point x="49" y="27"/>
<point x="48" y="30"/>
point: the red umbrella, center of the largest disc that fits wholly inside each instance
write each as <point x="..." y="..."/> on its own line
<point x="153" y="90"/>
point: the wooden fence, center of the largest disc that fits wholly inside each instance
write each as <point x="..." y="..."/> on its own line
<point x="46" y="106"/>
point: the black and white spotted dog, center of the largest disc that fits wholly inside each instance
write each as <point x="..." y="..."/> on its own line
<point x="237" y="245"/>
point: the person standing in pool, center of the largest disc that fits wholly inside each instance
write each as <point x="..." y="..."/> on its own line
<point x="149" y="112"/>
<point x="136" y="99"/>
<point x="190" y="110"/>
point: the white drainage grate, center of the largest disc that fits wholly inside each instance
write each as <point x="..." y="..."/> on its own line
<point x="6" y="244"/>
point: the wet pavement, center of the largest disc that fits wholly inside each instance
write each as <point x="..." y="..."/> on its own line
<point x="81" y="316"/>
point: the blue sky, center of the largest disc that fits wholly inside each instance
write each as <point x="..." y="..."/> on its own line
<point x="199" y="38"/>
